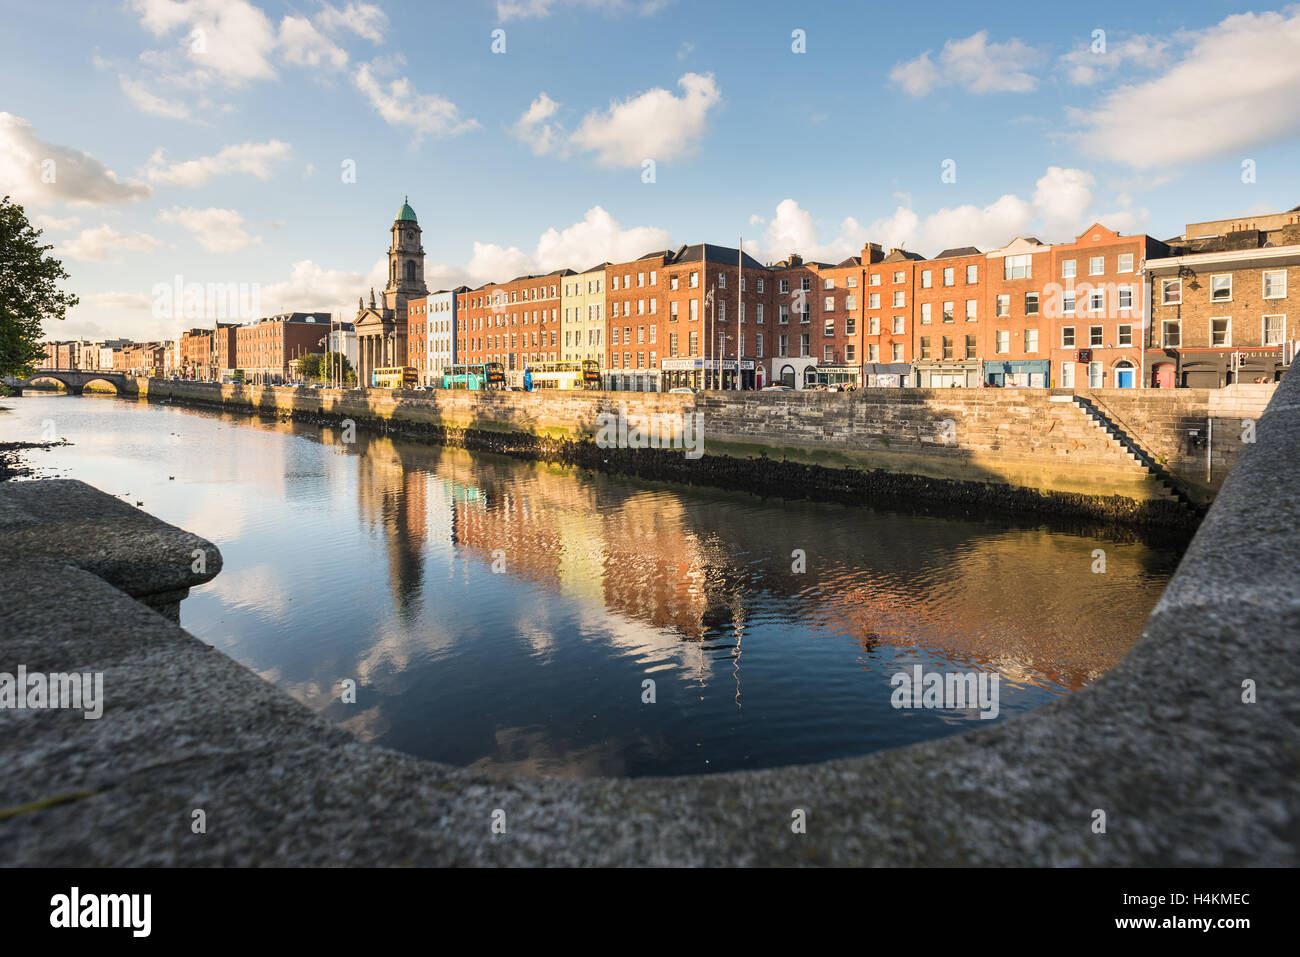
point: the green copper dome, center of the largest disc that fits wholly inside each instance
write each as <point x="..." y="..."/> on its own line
<point x="406" y="213"/>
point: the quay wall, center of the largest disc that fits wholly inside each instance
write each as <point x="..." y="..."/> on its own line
<point x="991" y="439"/>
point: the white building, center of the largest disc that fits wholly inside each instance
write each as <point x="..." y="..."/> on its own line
<point x="440" y="330"/>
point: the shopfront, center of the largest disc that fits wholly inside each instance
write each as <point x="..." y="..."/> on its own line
<point x="887" y="375"/>
<point x="699" y="373"/>
<point x="836" y="377"/>
<point x="633" y="380"/>
<point x="1023" y="373"/>
<point x="960" y="374"/>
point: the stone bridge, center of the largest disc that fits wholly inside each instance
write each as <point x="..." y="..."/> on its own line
<point x="74" y="379"/>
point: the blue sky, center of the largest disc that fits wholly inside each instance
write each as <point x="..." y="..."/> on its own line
<point x="207" y="138"/>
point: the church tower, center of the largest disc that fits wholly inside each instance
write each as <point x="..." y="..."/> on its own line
<point x="405" y="263"/>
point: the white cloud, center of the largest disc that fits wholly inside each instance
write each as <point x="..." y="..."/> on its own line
<point x="400" y="105"/>
<point x="312" y="288"/>
<point x="534" y="9"/>
<point x="532" y="129"/>
<point x="37" y="172"/>
<point x="53" y="223"/>
<point x="972" y="63"/>
<point x="1085" y="66"/>
<point x="303" y="45"/>
<point x="217" y="230"/>
<point x="1236" y="89"/>
<point x="254" y="159"/>
<point x="230" y="41"/>
<point x="95" y="245"/>
<point x="653" y="125"/>
<point x="147" y="102"/>
<point x="1061" y="207"/>
<point x="364" y="19"/>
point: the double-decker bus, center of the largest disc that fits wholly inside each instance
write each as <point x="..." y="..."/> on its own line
<point x="481" y="375"/>
<point x="566" y="375"/>
<point x="395" y="377"/>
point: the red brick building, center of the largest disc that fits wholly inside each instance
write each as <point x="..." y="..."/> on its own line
<point x="950" y="309"/>
<point x="889" y="318"/>
<point x="1015" y="341"/>
<point x="268" y="350"/>
<point x="515" y="323"/>
<point x="1096" y="300"/>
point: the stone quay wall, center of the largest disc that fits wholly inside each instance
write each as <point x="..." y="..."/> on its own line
<point x="989" y="438"/>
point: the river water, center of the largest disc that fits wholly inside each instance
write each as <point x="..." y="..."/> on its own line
<point x="517" y="617"/>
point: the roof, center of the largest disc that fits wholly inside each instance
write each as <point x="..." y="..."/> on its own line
<point x="959" y="251"/>
<point x="406" y="214"/>
<point x="900" y="255"/>
<point x="851" y="261"/>
<point x="726" y="255"/>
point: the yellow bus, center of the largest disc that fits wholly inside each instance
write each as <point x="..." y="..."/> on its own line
<point x="565" y="375"/>
<point x="396" y="377"/>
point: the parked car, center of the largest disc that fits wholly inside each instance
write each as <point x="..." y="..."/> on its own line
<point x="682" y="390"/>
<point x="776" y="388"/>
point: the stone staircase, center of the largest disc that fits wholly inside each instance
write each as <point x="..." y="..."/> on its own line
<point x="1129" y="446"/>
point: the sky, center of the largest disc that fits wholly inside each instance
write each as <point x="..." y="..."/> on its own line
<point x="268" y="146"/>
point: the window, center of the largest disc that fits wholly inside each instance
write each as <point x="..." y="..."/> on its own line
<point x="970" y="347"/>
<point x="898" y="325"/>
<point x="654" y="278"/>
<point x="947" y="347"/>
<point x="898" y="276"/>
<point x="1171" y="332"/>
<point x="926" y="282"/>
<point x="925" y="313"/>
<point x="672" y="343"/>
<point x="1003" y="339"/>
<point x="898" y="352"/>
<point x="948" y="310"/>
<point x="970" y="310"/>
<point x="640" y="335"/>
<point x="873" y="326"/>
<point x="785" y="285"/>
<point x="1125" y="335"/>
<point x="972" y="275"/>
<point x="1171" y="292"/>
<point x="873" y="300"/>
<point x="851" y="326"/>
<point x="949" y="276"/>
<point x="1031" y="304"/>
<point x="828" y="304"/>
<point x="1220" y="332"/>
<point x="672" y="311"/>
<point x="873" y="352"/>
<point x="1274" y="330"/>
<point x="1125" y="297"/>
<point x="1095" y="375"/>
<point x="925" y="347"/>
<point x="851" y="282"/>
<point x="1003" y="305"/>
<point x="783" y="345"/>
<point x="758" y="347"/>
<point x="783" y="315"/>
<point x="828" y="328"/>
<point x="1031" y="340"/>
<point x="695" y="280"/>
<point x="875" y="279"/>
<point x="1221" y="288"/>
<point x="804" y="342"/>
<point x="1096" y="265"/>
<point x="828" y="283"/>
<point x="1125" y="262"/>
<point x="1097" y="301"/>
<point x="758" y="318"/>
<point x="1069" y="268"/>
<point x="850" y="302"/>
<point x="1094" y="335"/>
<point x="1067" y="337"/>
<point x="722" y="280"/>
<point x="672" y="282"/>
<point x="1275" y="284"/>
<point x="900" y="299"/>
<point x="828" y="353"/>
<point x="805" y="283"/>
<point x="694" y="313"/>
<point x="1017" y="267"/>
<point x="1067" y="302"/>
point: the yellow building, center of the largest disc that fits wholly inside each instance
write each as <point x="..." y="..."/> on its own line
<point x="582" y="304"/>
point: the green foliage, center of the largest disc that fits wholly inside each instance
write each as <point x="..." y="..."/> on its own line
<point x="330" y="364"/>
<point x="28" y="293"/>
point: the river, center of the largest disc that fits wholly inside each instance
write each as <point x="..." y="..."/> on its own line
<point x="519" y="617"/>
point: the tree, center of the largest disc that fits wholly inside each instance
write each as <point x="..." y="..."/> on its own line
<point x="28" y="293"/>
<point x="309" y="366"/>
<point x="330" y="364"/>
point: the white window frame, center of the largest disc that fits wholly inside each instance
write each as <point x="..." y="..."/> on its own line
<point x="1227" y="337"/>
<point x="1164" y="292"/>
<point x="1214" y="297"/>
<point x="1263" y="283"/>
<point x="1263" y="329"/>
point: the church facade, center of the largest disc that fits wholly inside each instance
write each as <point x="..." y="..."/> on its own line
<point x="381" y="325"/>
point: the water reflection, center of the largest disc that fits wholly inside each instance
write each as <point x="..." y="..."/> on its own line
<point x="506" y="615"/>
